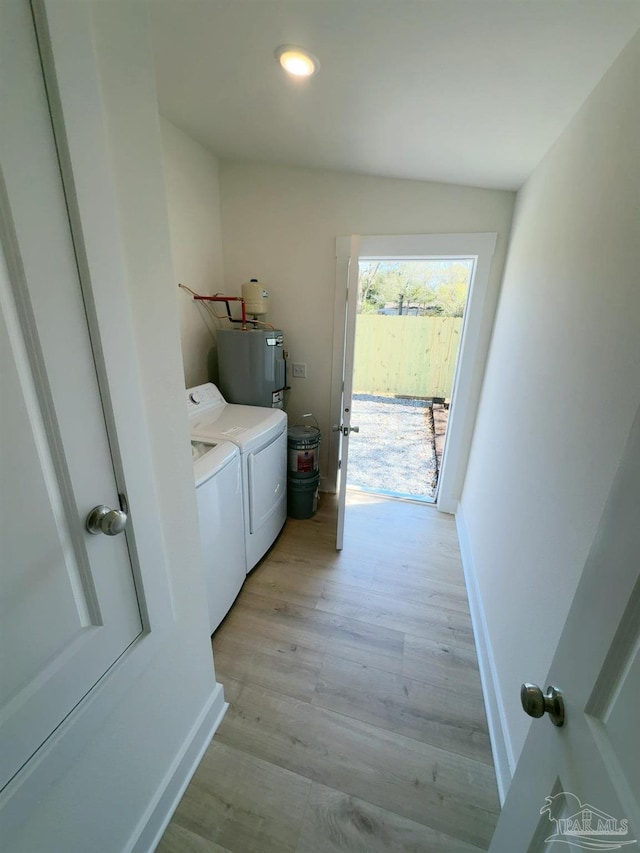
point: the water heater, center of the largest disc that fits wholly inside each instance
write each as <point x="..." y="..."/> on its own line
<point x="251" y="366"/>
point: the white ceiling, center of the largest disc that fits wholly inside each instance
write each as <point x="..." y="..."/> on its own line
<point x="461" y="91"/>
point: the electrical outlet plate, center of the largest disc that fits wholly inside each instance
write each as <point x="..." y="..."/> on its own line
<point x="299" y="371"/>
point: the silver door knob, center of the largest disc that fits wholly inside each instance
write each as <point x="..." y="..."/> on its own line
<point x="345" y="430"/>
<point x="535" y="703"/>
<point x="102" y="519"/>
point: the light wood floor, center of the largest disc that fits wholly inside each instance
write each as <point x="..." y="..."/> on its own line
<point x="356" y="720"/>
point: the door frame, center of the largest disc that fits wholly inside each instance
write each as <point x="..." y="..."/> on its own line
<point x="472" y="354"/>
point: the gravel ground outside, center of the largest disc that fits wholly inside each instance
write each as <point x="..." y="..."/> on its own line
<point x="398" y="448"/>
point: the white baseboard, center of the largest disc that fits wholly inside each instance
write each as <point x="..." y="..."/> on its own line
<point x="153" y="823"/>
<point x="494" y="706"/>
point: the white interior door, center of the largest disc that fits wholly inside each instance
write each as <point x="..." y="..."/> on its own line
<point x="579" y="785"/>
<point x="347" y="251"/>
<point x="68" y="605"/>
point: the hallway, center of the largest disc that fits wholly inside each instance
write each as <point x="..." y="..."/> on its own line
<point x="356" y="720"/>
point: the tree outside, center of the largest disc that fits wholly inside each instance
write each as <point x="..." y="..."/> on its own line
<point x="420" y="288"/>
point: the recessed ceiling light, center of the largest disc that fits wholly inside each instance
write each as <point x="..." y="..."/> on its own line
<point x="297" y="61"/>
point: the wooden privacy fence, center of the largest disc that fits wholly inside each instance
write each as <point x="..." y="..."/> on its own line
<point x="412" y="356"/>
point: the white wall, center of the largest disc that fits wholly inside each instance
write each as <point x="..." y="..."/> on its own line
<point x="279" y="225"/>
<point x="101" y="800"/>
<point x="561" y="385"/>
<point x="193" y="203"/>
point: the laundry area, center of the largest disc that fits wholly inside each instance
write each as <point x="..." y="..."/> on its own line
<point x="249" y="470"/>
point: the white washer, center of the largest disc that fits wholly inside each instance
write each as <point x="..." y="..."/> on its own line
<point x="218" y="476"/>
<point x="261" y="436"/>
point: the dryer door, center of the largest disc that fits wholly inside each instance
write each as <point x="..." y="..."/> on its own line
<point x="267" y="469"/>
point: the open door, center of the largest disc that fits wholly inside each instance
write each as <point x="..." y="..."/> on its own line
<point x="579" y="784"/>
<point x="474" y="345"/>
<point x="347" y="250"/>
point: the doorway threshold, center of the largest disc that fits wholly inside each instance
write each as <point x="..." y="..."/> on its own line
<point x="397" y="496"/>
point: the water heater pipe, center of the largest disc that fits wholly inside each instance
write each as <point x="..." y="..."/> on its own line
<point x="226" y="299"/>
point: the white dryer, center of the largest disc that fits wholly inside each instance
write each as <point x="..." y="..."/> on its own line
<point x="261" y="437"/>
<point x="218" y="476"/>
